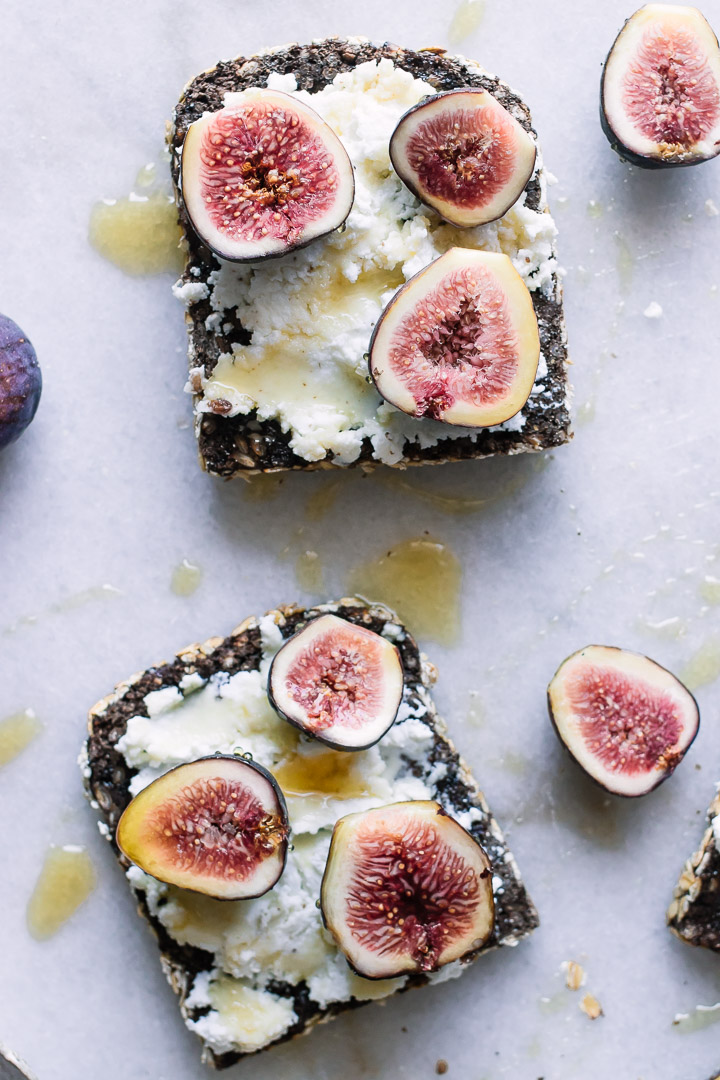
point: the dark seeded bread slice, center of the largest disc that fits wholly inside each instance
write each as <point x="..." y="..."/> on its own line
<point x="694" y="914"/>
<point x="108" y="776"/>
<point x="11" y="1067"/>
<point x="238" y="445"/>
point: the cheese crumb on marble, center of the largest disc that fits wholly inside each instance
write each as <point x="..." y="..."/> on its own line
<point x="311" y="312"/>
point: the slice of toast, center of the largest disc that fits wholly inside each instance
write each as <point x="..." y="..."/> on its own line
<point x="434" y="770"/>
<point x="694" y="914"/>
<point x="241" y="443"/>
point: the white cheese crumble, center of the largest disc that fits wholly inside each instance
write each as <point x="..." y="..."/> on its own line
<point x="191" y="292"/>
<point x="653" y="310"/>
<point x="193" y="681"/>
<point x="311" y="312"/>
<point x="242" y="1018"/>
<point x="160" y="701"/>
<point x="715" y="825"/>
<point x="278" y="936"/>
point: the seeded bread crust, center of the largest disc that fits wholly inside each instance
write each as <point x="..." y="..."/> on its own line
<point x="11" y="1067"/>
<point x="243" y="445"/>
<point x="107" y="779"/>
<point x="694" y="914"/>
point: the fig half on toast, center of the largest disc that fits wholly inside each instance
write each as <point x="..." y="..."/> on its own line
<point x="406" y="889"/>
<point x="338" y="682"/>
<point x="459" y="342"/>
<point x="464" y="155"/>
<point x="264" y="175"/>
<point x="217" y="825"/>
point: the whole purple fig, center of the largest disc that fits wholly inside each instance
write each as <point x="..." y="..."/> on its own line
<point x="20" y="381"/>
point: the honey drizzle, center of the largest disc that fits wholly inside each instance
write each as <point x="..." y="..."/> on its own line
<point x="16" y="733"/>
<point x="139" y="232"/>
<point x="66" y="880"/>
<point x="331" y="772"/>
<point x="420" y="579"/>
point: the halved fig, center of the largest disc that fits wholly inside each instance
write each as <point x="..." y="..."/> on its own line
<point x="264" y="175"/>
<point x="339" y="682"/>
<point x="459" y="342"/>
<point x="406" y="889"/>
<point x="627" y="721"/>
<point x="660" y="91"/>
<point x="464" y="155"/>
<point x="217" y="826"/>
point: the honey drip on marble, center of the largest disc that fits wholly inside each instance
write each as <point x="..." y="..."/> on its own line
<point x="66" y="880"/>
<point x="703" y="667"/>
<point x="465" y="504"/>
<point x="139" y="232"/>
<point x="699" y="1018"/>
<point x="262" y="488"/>
<point x="709" y="589"/>
<point x="186" y="578"/>
<point x="16" y="733"/>
<point x="420" y="579"/>
<point x="309" y="572"/>
<point x="332" y="772"/>
<point x="466" y="20"/>
<point x="62" y="607"/>
<point x="321" y="500"/>
<point x="449" y="504"/>
<point x="625" y="263"/>
<point x="557" y="1003"/>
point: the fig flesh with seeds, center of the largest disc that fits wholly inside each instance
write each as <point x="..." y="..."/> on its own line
<point x="626" y="720"/>
<point x="406" y="889"/>
<point x="217" y="826"/>
<point x="264" y="175"/>
<point x="459" y="342"/>
<point x="463" y="154"/>
<point x="338" y="682"/>
<point x="660" y="92"/>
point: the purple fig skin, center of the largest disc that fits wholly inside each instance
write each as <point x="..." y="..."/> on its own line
<point x="20" y="381"/>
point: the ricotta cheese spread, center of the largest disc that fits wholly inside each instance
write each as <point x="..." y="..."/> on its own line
<point x="311" y="313"/>
<point x="278" y="937"/>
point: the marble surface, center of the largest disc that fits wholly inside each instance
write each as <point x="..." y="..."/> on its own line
<point x="610" y="539"/>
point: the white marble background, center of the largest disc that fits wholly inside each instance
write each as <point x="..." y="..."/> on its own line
<point x="610" y="541"/>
